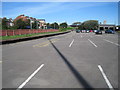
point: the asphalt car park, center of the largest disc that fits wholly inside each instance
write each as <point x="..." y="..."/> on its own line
<point x="72" y="60"/>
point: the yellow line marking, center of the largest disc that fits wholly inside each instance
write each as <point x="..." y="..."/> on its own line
<point x="40" y="43"/>
<point x="46" y="43"/>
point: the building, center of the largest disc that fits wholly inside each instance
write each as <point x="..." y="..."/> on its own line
<point x="106" y="26"/>
<point x="41" y="24"/>
<point x="23" y="17"/>
<point x="10" y="22"/>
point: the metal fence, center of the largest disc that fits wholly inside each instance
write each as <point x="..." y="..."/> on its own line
<point x="24" y="31"/>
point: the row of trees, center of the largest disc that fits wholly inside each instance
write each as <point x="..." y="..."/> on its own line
<point x="20" y="24"/>
<point x="56" y="25"/>
<point x="88" y="25"/>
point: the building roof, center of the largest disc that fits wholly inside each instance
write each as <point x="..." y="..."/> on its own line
<point x="24" y="18"/>
<point x="41" y="19"/>
<point x="106" y="24"/>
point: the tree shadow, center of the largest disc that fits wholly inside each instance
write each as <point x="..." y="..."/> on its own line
<point x="78" y="76"/>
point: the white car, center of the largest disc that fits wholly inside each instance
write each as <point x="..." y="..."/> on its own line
<point x="95" y="31"/>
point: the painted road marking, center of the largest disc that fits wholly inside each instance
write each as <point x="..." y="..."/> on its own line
<point x="92" y="43"/>
<point x="29" y="78"/>
<point x="0" y="61"/>
<point x="81" y="36"/>
<point x="41" y="44"/>
<point x="71" y="43"/>
<point x="46" y="43"/>
<point x="111" y="42"/>
<point x="105" y="77"/>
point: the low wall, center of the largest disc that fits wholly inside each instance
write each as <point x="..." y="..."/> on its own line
<point x="24" y="31"/>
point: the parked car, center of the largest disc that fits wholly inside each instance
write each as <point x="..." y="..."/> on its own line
<point x="87" y="31"/>
<point x="98" y="32"/>
<point x="83" y="31"/>
<point x="95" y="31"/>
<point x="77" y="31"/>
<point x="110" y="31"/>
<point x="91" y="30"/>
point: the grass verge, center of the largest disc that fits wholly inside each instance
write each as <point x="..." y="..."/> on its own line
<point x="26" y="35"/>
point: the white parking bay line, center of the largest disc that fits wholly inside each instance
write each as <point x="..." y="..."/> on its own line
<point x="92" y="43"/>
<point x="105" y="77"/>
<point x="71" y="43"/>
<point x="111" y="42"/>
<point x="29" y="78"/>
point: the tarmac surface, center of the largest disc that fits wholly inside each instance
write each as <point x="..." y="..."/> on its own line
<point x="72" y="60"/>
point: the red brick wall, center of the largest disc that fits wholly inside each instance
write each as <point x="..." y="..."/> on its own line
<point x="24" y="31"/>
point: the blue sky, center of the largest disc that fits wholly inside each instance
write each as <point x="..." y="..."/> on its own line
<point x="63" y="11"/>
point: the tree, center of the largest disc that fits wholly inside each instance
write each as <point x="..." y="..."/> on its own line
<point x="48" y="25"/>
<point x="90" y="25"/>
<point x="4" y="23"/>
<point x="54" y="25"/>
<point x="35" y="25"/>
<point x="20" y="24"/>
<point x="63" y="25"/>
<point x="81" y="27"/>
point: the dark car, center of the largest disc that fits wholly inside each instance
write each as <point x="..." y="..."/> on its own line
<point x="110" y="31"/>
<point x="98" y="32"/>
<point x="77" y="31"/>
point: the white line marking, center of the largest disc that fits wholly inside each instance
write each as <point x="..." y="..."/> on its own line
<point x="81" y="36"/>
<point x="92" y="43"/>
<point x="0" y="61"/>
<point x="111" y="42"/>
<point x="105" y="77"/>
<point x="71" y="43"/>
<point x="29" y="78"/>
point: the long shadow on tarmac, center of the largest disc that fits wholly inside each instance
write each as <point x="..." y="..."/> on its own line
<point x="78" y="76"/>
